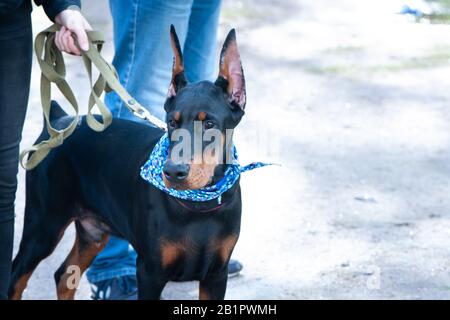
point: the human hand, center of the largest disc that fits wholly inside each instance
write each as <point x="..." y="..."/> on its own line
<point x="72" y="23"/>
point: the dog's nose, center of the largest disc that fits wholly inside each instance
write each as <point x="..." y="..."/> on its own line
<point x="175" y="172"/>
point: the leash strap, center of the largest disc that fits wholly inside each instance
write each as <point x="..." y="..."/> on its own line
<point x="53" y="70"/>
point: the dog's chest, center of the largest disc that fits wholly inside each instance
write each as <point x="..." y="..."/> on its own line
<point x="189" y="258"/>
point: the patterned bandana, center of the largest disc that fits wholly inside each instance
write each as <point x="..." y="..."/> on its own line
<point x="151" y="172"/>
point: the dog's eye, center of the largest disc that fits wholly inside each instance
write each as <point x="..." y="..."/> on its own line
<point x="172" y="123"/>
<point x="209" y="124"/>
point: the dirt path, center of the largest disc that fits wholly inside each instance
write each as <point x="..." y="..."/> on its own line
<point x="351" y="100"/>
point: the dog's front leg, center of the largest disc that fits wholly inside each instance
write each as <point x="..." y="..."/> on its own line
<point x="213" y="287"/>
<point x="150" y="282"/>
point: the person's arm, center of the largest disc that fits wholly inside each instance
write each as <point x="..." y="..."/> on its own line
<point x="67" y="14"/>
<point x="53" y="7"/>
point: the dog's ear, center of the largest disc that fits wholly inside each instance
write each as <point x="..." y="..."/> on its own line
<point x="231" y="75"/>
<point x="178" y="78"/>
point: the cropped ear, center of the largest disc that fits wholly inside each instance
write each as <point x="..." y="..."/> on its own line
<point x="178" y="78"/>
<point x="230" y="69"/>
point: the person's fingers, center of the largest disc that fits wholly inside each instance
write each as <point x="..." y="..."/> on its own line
<point x="71" y="45"/>
<point x="82" y="38"/>
<point x="58" y="39"/>
<point x="75" y="22"/>
<point x="64" y="40"/>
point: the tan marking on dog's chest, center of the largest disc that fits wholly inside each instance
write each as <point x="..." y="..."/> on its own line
<point x="171" y="251"/>
<point x="223" y="247"/>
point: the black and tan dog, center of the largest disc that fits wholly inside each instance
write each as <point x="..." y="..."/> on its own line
<point x="93" y="180"/>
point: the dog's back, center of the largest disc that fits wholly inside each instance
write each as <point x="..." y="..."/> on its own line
<point x="90" y="159"/>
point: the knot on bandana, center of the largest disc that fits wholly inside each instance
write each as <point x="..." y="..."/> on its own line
<point x="152" y="172"/>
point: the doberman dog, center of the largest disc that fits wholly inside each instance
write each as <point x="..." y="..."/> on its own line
<point x="93" y="180"/>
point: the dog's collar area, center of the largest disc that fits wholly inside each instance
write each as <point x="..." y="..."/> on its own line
<point x="152" y="172"/>
<point x="198" y="207"/>
<point x="211" y="206"/>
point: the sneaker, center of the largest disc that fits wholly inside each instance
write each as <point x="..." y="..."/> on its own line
<point x="234" y="268"/>
<point x="119" y="288"/>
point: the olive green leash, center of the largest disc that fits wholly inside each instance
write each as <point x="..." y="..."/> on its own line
<point x="53" y="70"/>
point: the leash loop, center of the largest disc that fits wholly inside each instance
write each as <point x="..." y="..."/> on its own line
<point x="53" y="70"/>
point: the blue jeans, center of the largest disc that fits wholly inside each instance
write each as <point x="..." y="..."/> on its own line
<point x="143" y="60"/>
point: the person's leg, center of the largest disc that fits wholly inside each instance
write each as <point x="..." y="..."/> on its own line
<point x="143" y="60"/>
<point x="199" y="51"/>
<point x="15" y="71"/>
<point x="143" y="56"/>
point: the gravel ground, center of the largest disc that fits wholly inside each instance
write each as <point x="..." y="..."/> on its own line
<point x="351" y="99"/>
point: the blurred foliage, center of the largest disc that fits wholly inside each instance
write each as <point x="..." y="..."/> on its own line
<point x="441" y="12"/>
<point x="443" y="3"/>
<point x="435" y="57"/>
<point x="250" y="13"/>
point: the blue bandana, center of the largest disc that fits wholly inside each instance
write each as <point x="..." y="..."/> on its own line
<point x="151" y="172"/>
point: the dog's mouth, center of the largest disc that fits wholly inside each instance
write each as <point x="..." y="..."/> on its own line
<point x="183" y="185"/>
<point x="200" y="175"/>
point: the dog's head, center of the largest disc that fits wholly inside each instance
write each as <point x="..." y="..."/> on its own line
<point x="200" y="118"/>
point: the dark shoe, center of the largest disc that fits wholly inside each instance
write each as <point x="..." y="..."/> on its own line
<point x="234" y="268"/>
<point x="120" y="288"/>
